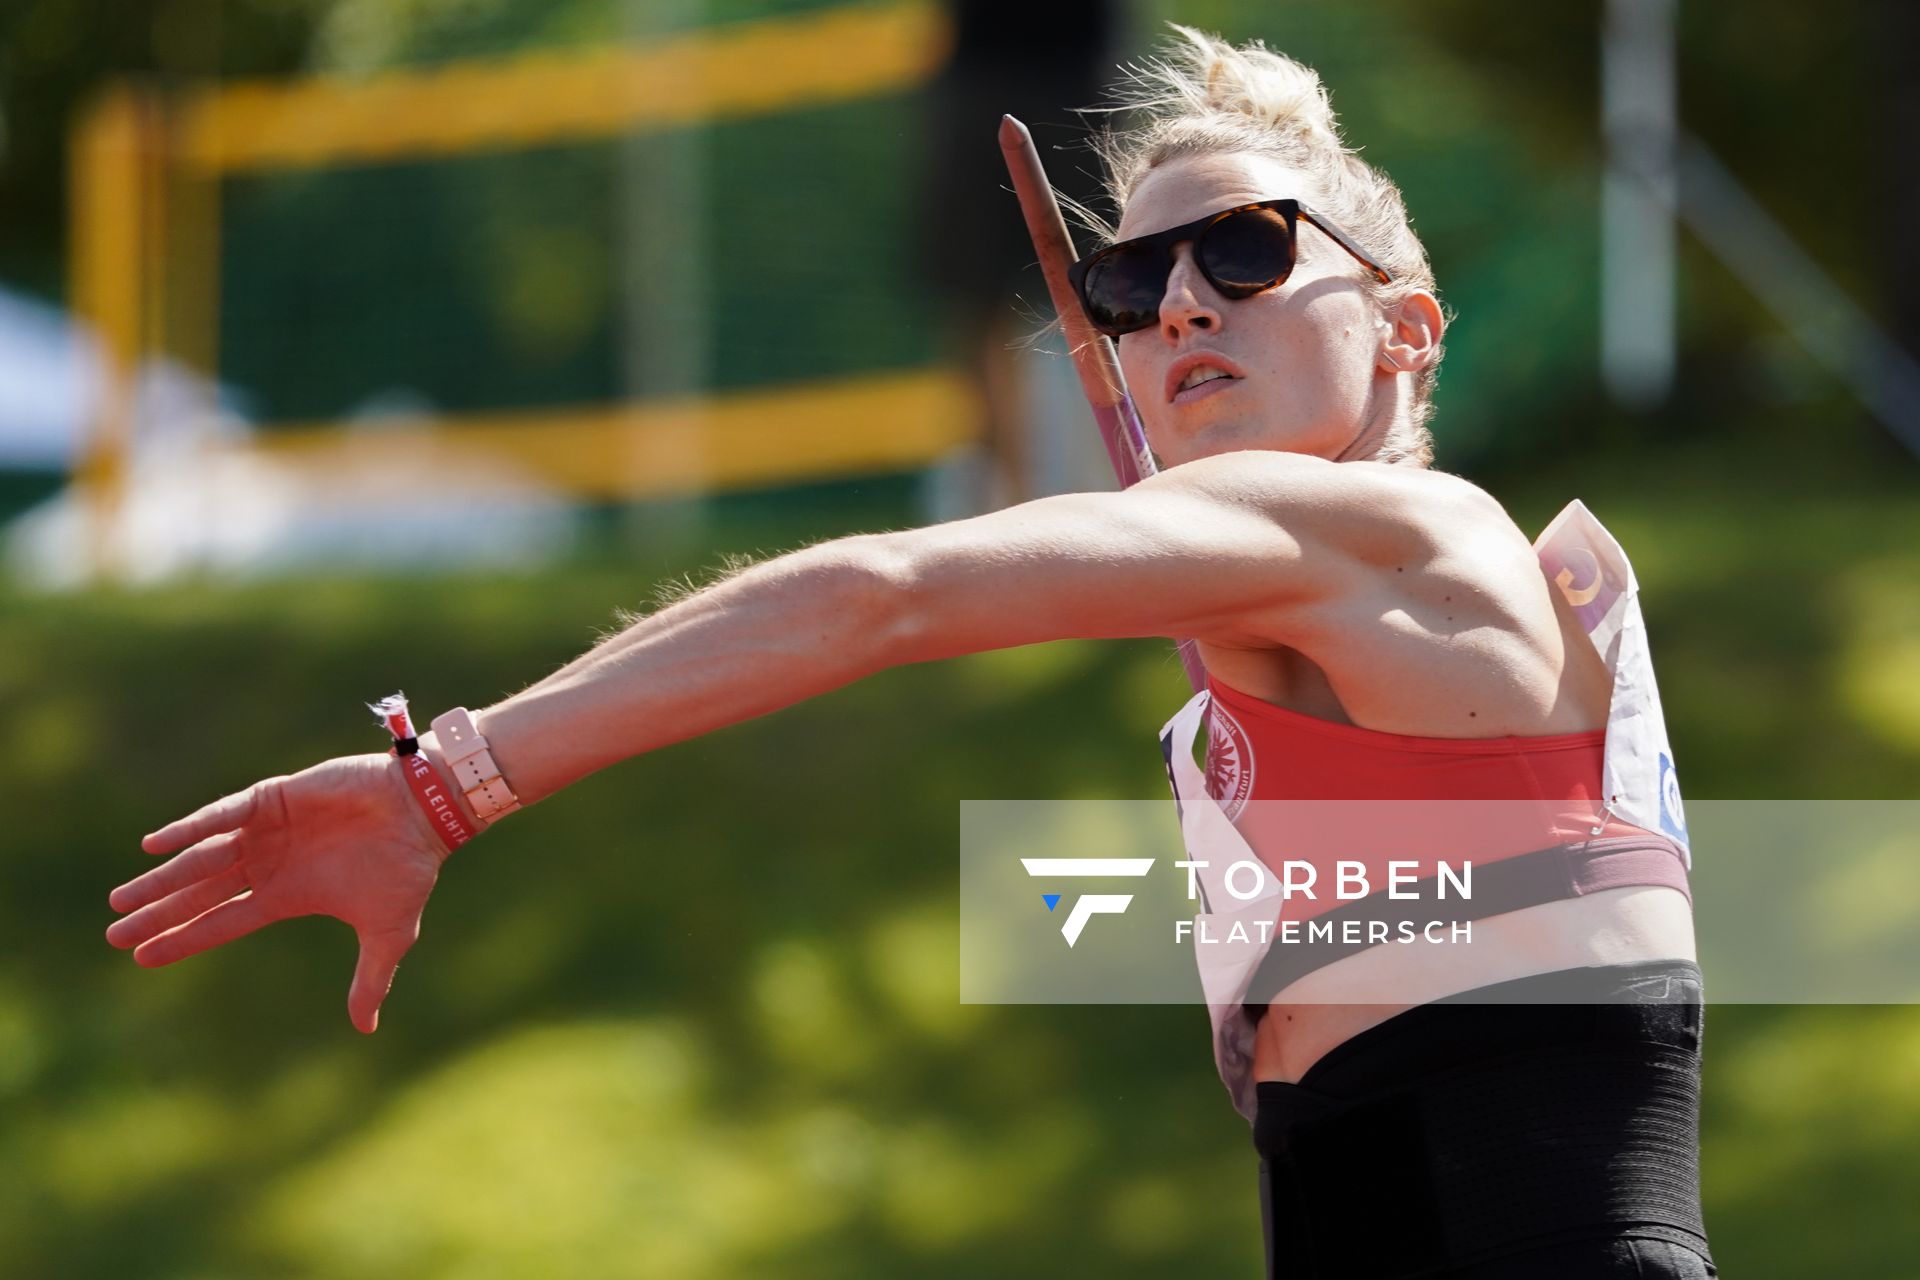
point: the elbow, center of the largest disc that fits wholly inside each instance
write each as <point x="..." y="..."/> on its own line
<point x="874" y="602"/>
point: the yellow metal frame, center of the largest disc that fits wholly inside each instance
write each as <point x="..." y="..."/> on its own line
<point x="144" y="199"/>
<point x="815" y="431"/>
<point x="717" y="73"/>
<point x="113" y="203"/>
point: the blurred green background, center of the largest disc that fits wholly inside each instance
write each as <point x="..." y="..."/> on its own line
<point x="697" y="1016"/>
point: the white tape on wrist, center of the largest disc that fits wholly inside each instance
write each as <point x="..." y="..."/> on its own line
<point x="472" y="764"/>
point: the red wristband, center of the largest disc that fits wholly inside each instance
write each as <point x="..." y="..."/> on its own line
<point x="433" y="797"/>
<point x="422" y="778"/>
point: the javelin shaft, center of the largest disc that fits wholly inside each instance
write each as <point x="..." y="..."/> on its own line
<point x="1094" y="357"/>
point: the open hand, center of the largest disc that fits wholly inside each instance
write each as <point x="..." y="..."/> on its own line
<point x="343" y="838"/>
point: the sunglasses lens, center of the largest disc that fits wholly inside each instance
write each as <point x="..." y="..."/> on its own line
<point x="1124" y="289"/>
<point x="1247" y="252"/>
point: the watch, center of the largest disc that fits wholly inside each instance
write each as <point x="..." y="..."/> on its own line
<point x="473" y="768"/>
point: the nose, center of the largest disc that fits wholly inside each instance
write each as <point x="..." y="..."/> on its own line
<point x="1190" y="305"/>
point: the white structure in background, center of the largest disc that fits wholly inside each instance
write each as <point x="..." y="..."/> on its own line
<point x="47" y="386"/>
<point x="200" y="501"/>
<point x="1638" y="112"/>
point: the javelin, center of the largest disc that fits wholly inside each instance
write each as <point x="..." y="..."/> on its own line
<point x="1094" y="357"/>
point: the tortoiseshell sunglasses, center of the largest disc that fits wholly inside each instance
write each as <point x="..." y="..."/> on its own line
<point x="1242" y="251"/>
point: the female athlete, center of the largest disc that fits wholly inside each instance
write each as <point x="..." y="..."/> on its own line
<point x="1372" y="628"/>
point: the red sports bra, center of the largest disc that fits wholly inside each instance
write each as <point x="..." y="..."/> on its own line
<point x="1522" y="810"/>
<point x="1301" y="757"/>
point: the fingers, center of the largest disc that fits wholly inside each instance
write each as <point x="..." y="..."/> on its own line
<point x="232" y="919"/>
<point x="176" y="908"/>
<point x="222" y="815"/>
<point x="373" y="975"/>
<point x="210" y="857"/>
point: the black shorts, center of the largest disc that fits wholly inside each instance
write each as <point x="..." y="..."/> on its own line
<point x="1547" y="1126"/>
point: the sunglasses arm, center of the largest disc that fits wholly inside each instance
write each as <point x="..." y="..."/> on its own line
<point x="1094" y="356"/>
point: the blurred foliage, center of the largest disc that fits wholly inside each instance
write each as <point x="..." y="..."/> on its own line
<point x="697" y="1016"/>
<point x="725" y="1042"/>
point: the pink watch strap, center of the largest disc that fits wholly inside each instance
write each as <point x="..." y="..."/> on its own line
<point x="474" y="771"/>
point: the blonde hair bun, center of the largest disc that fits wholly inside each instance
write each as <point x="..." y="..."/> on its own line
<point x="1204" y="75"/>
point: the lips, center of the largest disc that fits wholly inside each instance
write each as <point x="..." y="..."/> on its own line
<point x="1206" y="363"/>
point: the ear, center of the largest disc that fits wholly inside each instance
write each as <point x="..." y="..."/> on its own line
<point x="1411" y="334"/>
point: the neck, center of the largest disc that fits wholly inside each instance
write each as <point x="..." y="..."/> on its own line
<point x="1389" y="421"/>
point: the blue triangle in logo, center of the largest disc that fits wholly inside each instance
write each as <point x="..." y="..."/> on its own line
<point x="1051" y="899"/>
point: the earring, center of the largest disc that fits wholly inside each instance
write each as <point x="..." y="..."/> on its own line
<point x="1393" y="360"/>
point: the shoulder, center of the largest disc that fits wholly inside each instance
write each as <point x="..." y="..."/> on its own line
<point x="1373" y="511"/>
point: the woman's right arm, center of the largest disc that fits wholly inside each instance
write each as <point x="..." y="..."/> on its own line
<point x="1227" y="549"/>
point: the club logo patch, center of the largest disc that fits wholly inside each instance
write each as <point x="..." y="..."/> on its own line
<point x="1229" y="761"/>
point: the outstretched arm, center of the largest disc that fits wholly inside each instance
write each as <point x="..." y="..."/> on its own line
<point x="1225" y="549"/>
<point x="1229" y="549"/>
